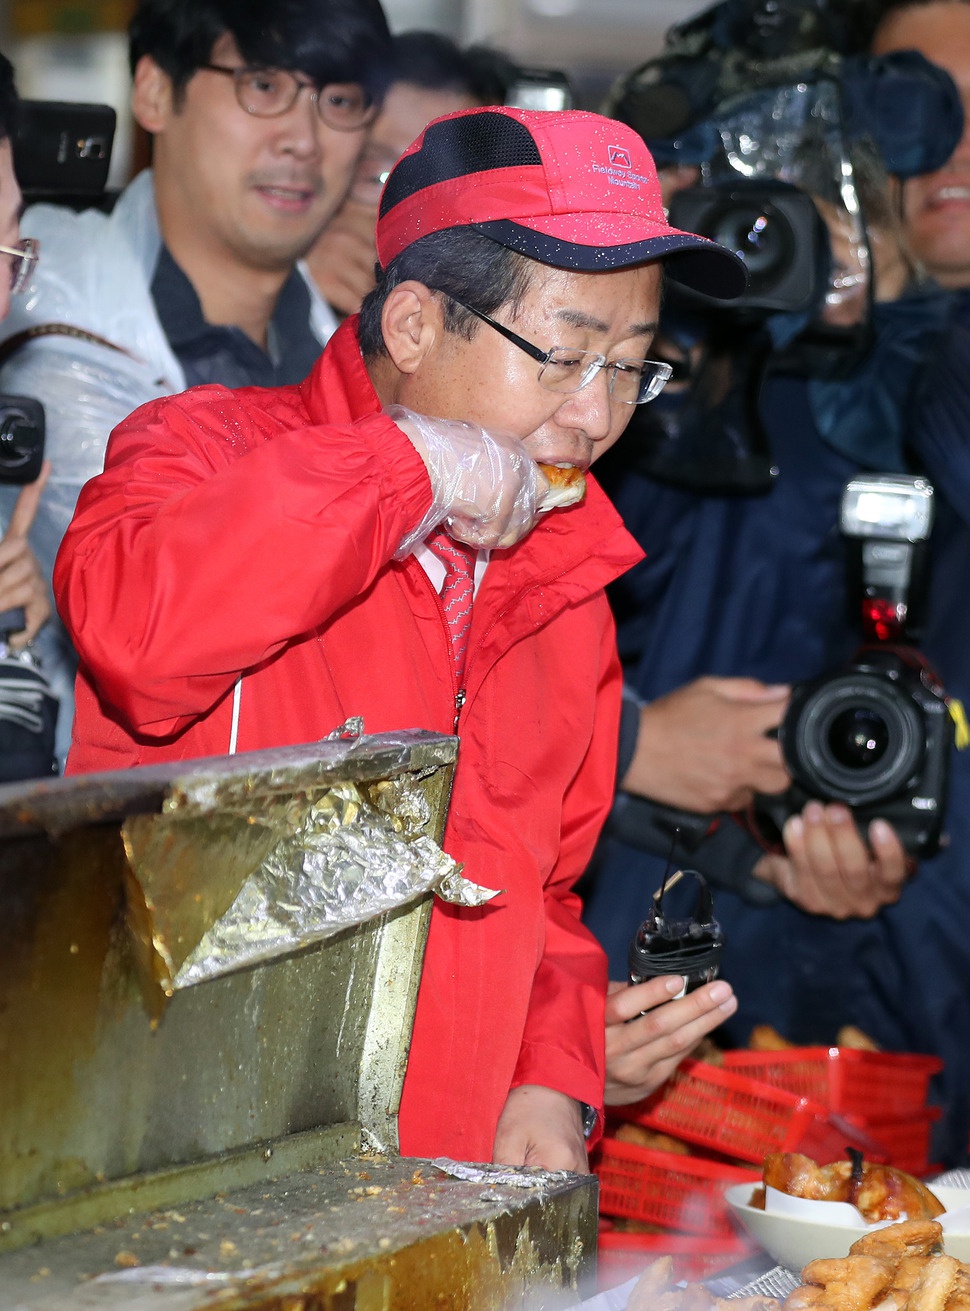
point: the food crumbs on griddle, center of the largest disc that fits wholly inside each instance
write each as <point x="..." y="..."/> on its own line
<point x="127" y="1260"/>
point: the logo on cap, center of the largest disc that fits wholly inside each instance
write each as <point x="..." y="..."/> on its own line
<point x="620" y="157"/>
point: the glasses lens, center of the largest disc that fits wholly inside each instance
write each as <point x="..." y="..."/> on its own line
<point x="636" y="381"/>
<point x="567" y="370"/>
<point x="345" y="106"/>
<point x="265" y="92"/>
<point x="23" y="266"/>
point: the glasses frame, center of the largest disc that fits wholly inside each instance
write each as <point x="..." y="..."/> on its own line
<point x="597" y="362"/>
<point x="25" y="255"/>
<point x="317" y="96"/>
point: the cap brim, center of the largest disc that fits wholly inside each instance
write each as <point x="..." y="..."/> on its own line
<point x="693" y="261"/>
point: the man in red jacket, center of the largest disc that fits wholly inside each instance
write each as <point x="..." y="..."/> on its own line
<point x="254" y="567"/>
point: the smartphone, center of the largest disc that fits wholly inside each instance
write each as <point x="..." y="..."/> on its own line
<point x="61" y="148"/>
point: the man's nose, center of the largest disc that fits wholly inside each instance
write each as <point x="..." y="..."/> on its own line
<point x="591" y="408"/>
<point x="301" y="127"/>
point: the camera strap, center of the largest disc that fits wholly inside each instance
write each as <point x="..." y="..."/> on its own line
<point x="14" y="343"/>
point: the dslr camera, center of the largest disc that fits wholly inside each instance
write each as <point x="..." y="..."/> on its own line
<point x="61" y="152"/>
<point x="877" y="733"/>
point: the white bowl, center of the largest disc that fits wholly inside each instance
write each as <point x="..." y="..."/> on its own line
<point x="793" y="1241"/>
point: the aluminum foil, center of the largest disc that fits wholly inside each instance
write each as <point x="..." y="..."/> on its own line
<point x="348" y="861"/>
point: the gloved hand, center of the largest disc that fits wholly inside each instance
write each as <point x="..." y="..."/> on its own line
<point x="486" y="487"/>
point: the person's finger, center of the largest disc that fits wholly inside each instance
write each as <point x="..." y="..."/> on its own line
<point x="893" y="864"/>
<point x="27" y="502"/>
<point x="624" y="1003"/>
<point x="750" y="689"/>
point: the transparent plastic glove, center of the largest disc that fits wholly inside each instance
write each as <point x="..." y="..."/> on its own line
<point x="486" y="488"/>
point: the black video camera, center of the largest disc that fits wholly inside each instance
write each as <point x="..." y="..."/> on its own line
<point x="775" y="228"/>
<point x="877" y="733"/>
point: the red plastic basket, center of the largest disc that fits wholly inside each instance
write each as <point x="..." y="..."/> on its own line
<point x="622" y="1255"/>
<point x="876" y="1085"/>
<point x="907" y="1141"/>
<point x="747" y="1118"/>
<point x="685" y="1193"/>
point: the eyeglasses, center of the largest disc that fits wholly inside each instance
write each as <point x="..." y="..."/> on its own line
<point x="633" y="382"/>
<point x="24" y="257"/>
<point x="269" y="92"/>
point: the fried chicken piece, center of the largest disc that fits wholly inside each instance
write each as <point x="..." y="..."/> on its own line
<point x="850" y="1036"/>
<point x="886" y="1193"/>
<point x="850" y="1283"/>
<point x="766" y="1039"/>
<point x="655" y="1280"/>
<point x="808" y="1297"/>
<point x="880" y="1192"/>
<point x="934" y="1285"/>
<point x="652" y="1138"/>
<point x="898" y="1241"/>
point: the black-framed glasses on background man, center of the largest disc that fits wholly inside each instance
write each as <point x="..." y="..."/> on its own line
<point x="23" y="259"/>
<point x="269" y="92"/>
<point x="634" y="382"/>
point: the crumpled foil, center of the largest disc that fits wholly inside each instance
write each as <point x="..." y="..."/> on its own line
<point x="347" y="862"/>
<point x="507" y="1176"/>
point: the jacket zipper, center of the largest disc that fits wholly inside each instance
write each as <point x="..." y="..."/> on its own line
<point x="460" y="698"/>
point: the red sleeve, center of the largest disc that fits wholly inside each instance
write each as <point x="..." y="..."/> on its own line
<point x="209" y="509"/>
<point x="564" y="1042"/>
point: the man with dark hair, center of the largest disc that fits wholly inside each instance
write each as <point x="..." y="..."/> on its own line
<point x="258" y="113"/>
<point x="280" y="556"/>
<point x="429" y="75"/>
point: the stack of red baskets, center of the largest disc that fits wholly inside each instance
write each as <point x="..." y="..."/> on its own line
<point x="813" y="1100"/>
<point x="882" y="1093"/>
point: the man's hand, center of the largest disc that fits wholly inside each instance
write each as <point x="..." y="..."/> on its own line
<point x="343" y="257"/>
<point x="22" y="584"/>
<point x="643" y="1050"/>
<point x="703" y="747"/>
<point x="486" y="487"/>
<point x="539" y="1126"/>
<point x="829" y="870"/>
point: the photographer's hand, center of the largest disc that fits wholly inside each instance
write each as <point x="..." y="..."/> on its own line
<point x="649" y="1031"/>
<point x="22" y="585"/>
<point x="703" y="747"/>
<point x="829" y="870"/>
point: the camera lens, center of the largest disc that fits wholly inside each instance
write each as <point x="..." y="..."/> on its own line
<point x="760" y="235"/>
<point x="858" y="737"/>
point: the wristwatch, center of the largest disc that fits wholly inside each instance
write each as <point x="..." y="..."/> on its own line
<point x="590" y="1116"/>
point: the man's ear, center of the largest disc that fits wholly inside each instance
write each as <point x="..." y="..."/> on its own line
<point x="152" y="98"/>
<point x="411" y="324"/>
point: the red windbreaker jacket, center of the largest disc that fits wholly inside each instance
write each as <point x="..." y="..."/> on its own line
<point x="226" y="522"/>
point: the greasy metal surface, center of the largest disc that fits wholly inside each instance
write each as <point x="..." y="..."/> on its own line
<point x="104" y="880"/>
<point x="103" y="1203"/>
<point x="368" y="1234"/>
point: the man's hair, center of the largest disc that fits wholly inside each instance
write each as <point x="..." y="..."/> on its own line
<point x="328" y="40"/>
<point x="459" y="262"/>
<point x="434" y="62"/>
<point x="8" y="99"/>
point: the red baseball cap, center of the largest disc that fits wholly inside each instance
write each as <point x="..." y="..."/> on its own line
<point x="570" y="189"/>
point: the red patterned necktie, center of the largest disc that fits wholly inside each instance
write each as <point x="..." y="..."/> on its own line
<point x="457" y="593"/>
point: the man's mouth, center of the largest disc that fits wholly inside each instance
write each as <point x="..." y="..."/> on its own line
<point x="953" y="194"/>
<point x="289" y="198"/>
